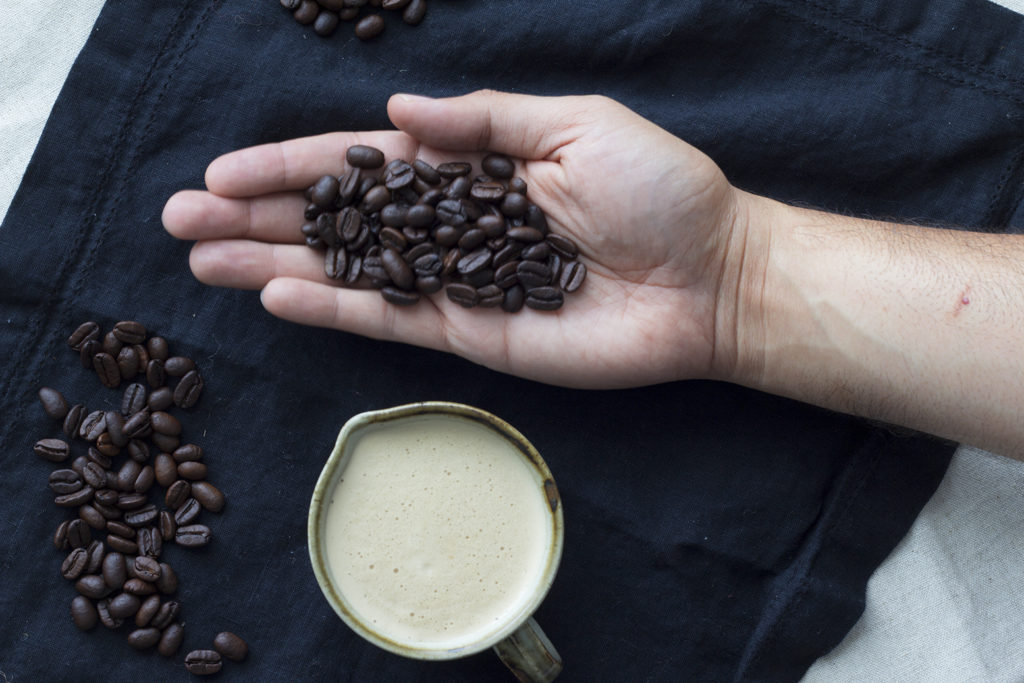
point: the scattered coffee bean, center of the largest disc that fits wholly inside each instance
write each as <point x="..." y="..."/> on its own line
<point x="144" y="638"/>
<point x="203" y="662"/>
<point x="83" y="613"/>
<point x="54" y="450"/>
<point x="171" y="640"/>
<point x="53" y="402"/>
<point x="230" y="646"/>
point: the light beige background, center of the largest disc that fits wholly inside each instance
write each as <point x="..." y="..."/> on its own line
<point x="947" y="605"/>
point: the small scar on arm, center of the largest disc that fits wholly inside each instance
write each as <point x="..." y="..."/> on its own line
<point x="963" y="301"/>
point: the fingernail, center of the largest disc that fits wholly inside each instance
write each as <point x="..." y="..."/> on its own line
<point x="406" y="97"/>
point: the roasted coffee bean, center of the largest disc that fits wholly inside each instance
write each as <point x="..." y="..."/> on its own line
<point x="475" y="261"/>
<point x="166" y="525"/>
<point x="189" y="451"/>
<point x="73" y="420"/>
<point x="539" y="251"/>
<point x="92" y="586"/>
<point x="123" y="605"/>
<point x="324" y="191"/>
<point x="85" y="332"/>
<point x="94" y="475"/>
<point x="121" y="529"/>
<point x="536" y="219"/>
<point x="414" y="12"/>
<point x="480" y="278"/>
<point x="505" y="275"/>
<point x="93" y="425"/>
<point x="171" y="640"/>
<point x="399" y="297"/>
<point x="99" y="457"/>
<point x="156" y="347"/>
<point x="145" y="480"/>
<point x="398" y="174"/>
<point x="91" y="516"/>
<point x="147" y="569"/>
<point x="509" y="252"/>
<point x="54" y="450"/>
<point x="65" y="481"/>
<point x="138" y="451"/>
<point x="60" y="536"/>
<point x="150" y="543"/>
<point x="525" y="234"/>
<point x="572" y="276"/>
<point x="459" y="188"/>
<point x="471" y="239"/>
<point x="451" y="212"/>
<point x="114" y="423"/>
<point x="107" y="369"/>
<point x="487" y="191"/>
<point x="143" y="638"/>
<point x="498" y="166"/>
<point x="96" y="552"/>
<point x="109" y="512"/>
<point x="397" y="269"/>
<point x="156" y="377"/>
<point x="335" y="262"/>
<point x="544" y="298"/>
<point x="111" y="344"/>
<point x="126" y="477"/>
<point x="141" y="516"/>
<point x="165" y="469"/>
<point x="230" y="646"/>
<point x="369" y="27"/>
<point x="186" y="394"/>
<point x="121" y="544"/>
<point x="177" y="493"/>
<point x="130" y="332"/>
<point x="165" y="423"/>
<point x="147" y="610"/>
<point x="114" y="570"/>
<point x="137" y="425"/>
<point x="160" y="399"/>
<point x="364" y="156"/>
<point x="306" y="12"/>
<point x="167" y="614"/>
<point x="563" y="245"/>
<point x="74" y="499"/>
<point x="193" y="535"/>
<point x="491" y="296"/>
<point x="83" y="613"/>
<point x="105" y="445"/>
<point x="464" y="295"/>
<point x="137" y="586"/>
<point x="74" y="564"/>
<point x="167" y="584"/>
<point x="532" y="274"/>
<point x="53" y="402"/>
<point x="128" y="362"/>
<point x="207" y="662"/>
<point x="514" y="205"/>
<point x="187" y="512"/>
<point x="133" y="399"/>
<point x="454" y="169"/>
<point x="178" y="366"/>
<point x="192" y="470"/>
<point x="106" y="496"/>
<point x="515" y="297"/>
<point x="428" y="284"/>
<point x="208" y="495"/>
<point x="106" y="619"/>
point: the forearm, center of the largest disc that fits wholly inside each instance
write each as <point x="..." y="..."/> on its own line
<point x="914" y="326"/>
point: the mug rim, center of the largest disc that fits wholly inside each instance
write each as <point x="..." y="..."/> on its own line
<point x="328" y="476"/>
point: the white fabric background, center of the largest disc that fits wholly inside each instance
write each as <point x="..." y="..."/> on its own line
<point x="947" y="605"/>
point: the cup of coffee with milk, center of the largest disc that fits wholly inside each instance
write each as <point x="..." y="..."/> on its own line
<point x="435" y="531"/>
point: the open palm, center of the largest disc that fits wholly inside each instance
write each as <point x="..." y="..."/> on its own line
<point x="653" y="217"/>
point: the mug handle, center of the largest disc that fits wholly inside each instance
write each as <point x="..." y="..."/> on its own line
<point x="529" y="654"/>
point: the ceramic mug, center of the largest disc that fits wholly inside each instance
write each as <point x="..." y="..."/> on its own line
<point x="435" y="531"/>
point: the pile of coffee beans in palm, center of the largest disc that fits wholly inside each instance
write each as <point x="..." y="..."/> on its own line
<point x="413" y="230"/>
<point x="134" y="487"/>
<point x="325" y="15"/>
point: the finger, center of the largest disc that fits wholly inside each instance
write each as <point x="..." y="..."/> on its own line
<point x="198" y="215"/>
<point x="362" y="312"/>
<point x="243" y="264"/>
<point x="523" y="126"/>
<point x="295" y="164"/>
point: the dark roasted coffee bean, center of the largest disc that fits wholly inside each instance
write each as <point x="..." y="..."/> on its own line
<point x="324" y="191"/>
<point x="454" y="169"/>
<point x="471" y="239"/>
<point x="99" y="457"/>
<point x="475" y="261"/>
<point x="105" y="618"/>
<point x="399" y="297"/>
<point x="91" y="516"/>
<point x="487" y="192"/>
<point x="192" y="470"/>
<point x="74" y="564"/>
<point x="451" y="212"/>
<point x="459" y="188"/>
<point x="325" y="23"/>
<point x="111" y="344"/>
<point x="114" y="571"/>
<point x="480" y="278"/>
<point x="141" y="516"/>
<point x="60" y="536"/>
<point x="536" y="219"/>
<point x="428" y="284"/>
<point x="178" y="366"/>
<point x="88" y="351"/>
<point x="109" y="512"/>
<point x="145" y="480"/>
<point x="156" y="377"/>
<point x="85" y="332"/>
<point x="176" y="495"/>
<point x="187" y="393"/>
<point x="514" y="205"/>
<point x="147" y="610"/>
<point x="397" y="269"/>
<point x="160" y="399"/>
<point x="498" y="166"/>
<point x="364" y="156"/>
<point x="94" y="475"/>
<point x="73" y="420"/>
<point x="544" y="298"/>
<point x="143" y="638"/>
<point x="54" y="450"/>
<point x="83" y="613"/>
<point x="375" y="200"/>
<point x="427" y="264"/>
<point x="505" y="275"/>
<point x="128" y="362"/>
<point x="53" y="402"/>
<point x="517" y="184"/>
<point x="105" y="445"/>
<point x="572" y="277"/>
<point x="492" y="226"/>
<point x="133" y="399"/>
<point x="515" y="296"/>
<point x="508" y="253"/>
<point x="207" y="662"/>
<point x="167" y="584"/>
<point x="525" y="234"/>
<point x="335" y="262"/>
<point x="137" y="425"/>
<point x="327" y="229"/>
<point x="150" y="542"/>
<point x="96" y="552"/>
<point x="165" y="423"/>
<point x="464" y="295"/>
<point x="164" y="442"/>
<point x="420" y="215"/>
<point x="563" y="245"/>
<point x="137" y="586"/>
<point x="167" y="614"/>
<point x="391" y="238"/>
<point x="208" y="495"/>
<point x="447" y="235"/>
<point x="126" y="477"/>
<point x="307" y="12"/>
<point x="130" y="332"/>
<point x="414" y="12"/>
<point x="165" y="469"/>
<point x="398" y="174"/>
<point x="187" y="512"/>
<point x="369" y="27"/>
<point x="121" y="544"/>
<point x="93" y="425"/>
<point x="157" y="348"/>
<point x="123" y="605"/>
<point x="193" y="535"/>
<point x="143" y="356"/>
<point x="490" y="296"/>
<point x="138" y="451"/>
<point x="65" y="481"/>
<point x="538" y="251"/>
<point x="121" y="529"/>
<point x="348" y="186"/>
<point x="92" y="586"/>
<point x="147" y="569"/>
<point x="189" y="451"/>
<point x="230" y="646"/>
<point x="532" y="274"/>
<point x="171" y="640"/>
<point x="166" y="525"/>
<point x="73" y="500"/>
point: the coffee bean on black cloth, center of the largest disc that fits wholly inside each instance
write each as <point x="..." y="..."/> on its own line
<point x="54" y="450"/>
<point x="83" y="613"/>
<point x="171" y="640"/>
<point x="193" y="535"/>
<point x="74" y="564"/>
<point x="105" y="617"/>
<point x="188" y="390"/>
<point x="369" y="27"/>
<point x="54" y="404"/>
<point x="203" y="662"/>
<point x="230" y="646"/>
<point x="144" y="638"/>
<point x="167" y="613"/>
<point x="92" y="586"/>
<point x="87" y="331"/>
<point x="123" y="605"/>
<point x="65" y="481"/>
<point x="130" y="332"/>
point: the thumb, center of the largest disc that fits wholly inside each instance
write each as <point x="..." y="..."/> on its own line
<point x="523" y="126"/>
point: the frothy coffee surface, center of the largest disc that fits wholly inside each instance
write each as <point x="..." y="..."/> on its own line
<point x="437" y="531"/>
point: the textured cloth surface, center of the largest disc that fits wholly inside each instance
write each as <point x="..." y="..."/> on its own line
<point x="736" y="543"/>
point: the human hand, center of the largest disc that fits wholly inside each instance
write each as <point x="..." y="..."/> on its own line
<point x="656" y="221"/>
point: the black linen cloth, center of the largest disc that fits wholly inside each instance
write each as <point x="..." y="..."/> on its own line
<point x="712" y="532"/>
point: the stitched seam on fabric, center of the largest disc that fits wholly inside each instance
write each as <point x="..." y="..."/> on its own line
<point x="72" y="270"/>
<point x="803" y="587"/>
<point x="895" y="55"/>
<point x="948" y="57"/>
<point x="1011" y="182"/>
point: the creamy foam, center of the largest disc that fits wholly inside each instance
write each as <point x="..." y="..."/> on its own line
<point x="438" y="531"/>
